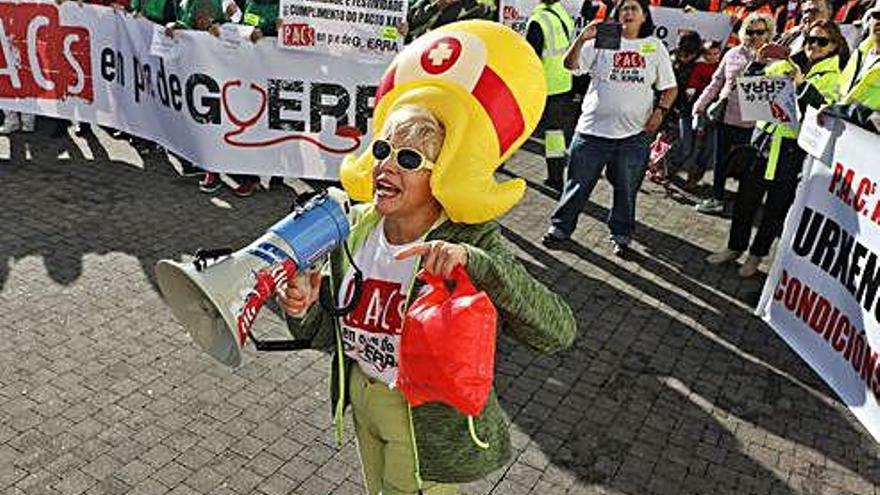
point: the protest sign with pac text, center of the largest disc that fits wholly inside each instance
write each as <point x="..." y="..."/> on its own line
<point x="360" y="28"/>
<point x="244" y="108"/>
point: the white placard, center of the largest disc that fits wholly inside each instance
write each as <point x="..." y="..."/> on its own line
<point x="768" y="98"/>
<point x="361" y="28"/>
<point x="272" y="112"/>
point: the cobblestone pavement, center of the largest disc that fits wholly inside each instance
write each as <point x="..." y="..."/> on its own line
<point x="671" y="387"/>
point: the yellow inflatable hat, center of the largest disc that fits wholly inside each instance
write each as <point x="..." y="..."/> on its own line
<point x="485" y="84"/>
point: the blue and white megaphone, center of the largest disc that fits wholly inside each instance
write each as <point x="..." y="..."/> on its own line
<point x="217" y="302"/>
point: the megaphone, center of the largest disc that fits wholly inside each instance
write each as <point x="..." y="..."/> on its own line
<point x="217" y="302"/>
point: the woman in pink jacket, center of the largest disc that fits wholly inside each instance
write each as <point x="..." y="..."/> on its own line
<point x="731" y="131"/>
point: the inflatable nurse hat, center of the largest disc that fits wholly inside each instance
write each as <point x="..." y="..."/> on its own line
<point x="485" y="84"/>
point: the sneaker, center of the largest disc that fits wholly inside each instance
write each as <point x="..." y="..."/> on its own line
<point x="725" y="256"/>
<point x="187" y="169"/>
<point x="750" y="267"/>
<point x="620" y="249"/>
<point x="210" y="183"/>
<point x="246" y="189"/>
<point x="710" y="205"/>
<point x="553" y="241"/>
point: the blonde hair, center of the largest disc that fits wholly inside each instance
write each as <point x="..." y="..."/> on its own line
<point x="754" y="17"/>
<point x="415" y="125"/>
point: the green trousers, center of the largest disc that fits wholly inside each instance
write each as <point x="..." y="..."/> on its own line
<point x="385" y="442"/>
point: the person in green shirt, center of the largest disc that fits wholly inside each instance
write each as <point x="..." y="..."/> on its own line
<point x="158" y="11"/>
<point x="201" y="15"/>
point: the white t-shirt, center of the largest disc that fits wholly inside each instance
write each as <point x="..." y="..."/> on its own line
<point x="621" y="94"/>
<point x="371" y="332"/>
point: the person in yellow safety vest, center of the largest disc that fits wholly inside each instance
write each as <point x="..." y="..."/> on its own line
<point x="860" y="81"/>
<point x="549" y="32"/>
<point x="775" y="170"/>
<point x="859" y="89"/>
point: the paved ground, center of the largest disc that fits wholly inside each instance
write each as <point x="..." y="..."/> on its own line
<point x="671" y="387"/>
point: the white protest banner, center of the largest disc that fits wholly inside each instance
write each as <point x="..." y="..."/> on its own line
<point x="821" y="295"/>
<point x="768" y="98"/>
<point x="253" y="109"/>
<point x="355" y="28"/>
<point x="515" y="13"/>
<point x="668" y="22"/>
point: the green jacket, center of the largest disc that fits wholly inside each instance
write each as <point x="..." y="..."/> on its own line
<point x="262" y="14"/>
<point x="527" y="310"/>
<point x="821" y="86"/>
<point x="867" y="90"/>
<point x="158" y="11"/>
<point x="191" y="9"/>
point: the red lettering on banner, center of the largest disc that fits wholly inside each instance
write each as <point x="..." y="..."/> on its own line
<point x="842" y="338"/>
<point x="628" y="60"/>
<point x="858" y="193"/>
<point x="40" y="58"/>
<point x="380" y="309"/>
<point x="298" y="34"/>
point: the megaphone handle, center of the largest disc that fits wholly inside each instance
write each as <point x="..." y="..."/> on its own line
<point x="326" y="298"/>
<point x="279" y="345"/>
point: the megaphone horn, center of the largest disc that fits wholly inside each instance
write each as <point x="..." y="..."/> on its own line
<point x="218" y="302"/>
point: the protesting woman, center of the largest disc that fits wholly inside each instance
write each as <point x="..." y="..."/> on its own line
<point x="618" y="118"/>
<point x="772" y="179"/>
<point x="720" y="102"/>
<point x="428" y="155"/>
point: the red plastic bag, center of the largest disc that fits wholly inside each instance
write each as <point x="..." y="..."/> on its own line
<point x="447" y="350"/>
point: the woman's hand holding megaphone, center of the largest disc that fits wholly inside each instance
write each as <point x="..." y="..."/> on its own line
<point x="299" y="296"/>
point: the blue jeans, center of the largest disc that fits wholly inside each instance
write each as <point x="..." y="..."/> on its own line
<point x="627" y="161"/>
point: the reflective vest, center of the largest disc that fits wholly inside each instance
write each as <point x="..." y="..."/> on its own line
<point x="867" y="89"/>
<point x="825" y="76"/>
<point x="557" y="26"/>
<point x="261" y="14"/>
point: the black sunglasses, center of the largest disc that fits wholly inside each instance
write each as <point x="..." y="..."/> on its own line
<point x="756" y="32"/>
<point x="407" y="158"/>
<point x="819" y="40"/>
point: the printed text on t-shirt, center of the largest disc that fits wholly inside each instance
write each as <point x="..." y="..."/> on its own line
<point x="628" y="67"/>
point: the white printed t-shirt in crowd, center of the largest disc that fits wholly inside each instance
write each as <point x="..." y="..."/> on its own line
<point x="371" y="332"/>
<point x="622" y="84"/>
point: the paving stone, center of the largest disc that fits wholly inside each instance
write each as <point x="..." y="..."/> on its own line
<point x="671" y="387"/>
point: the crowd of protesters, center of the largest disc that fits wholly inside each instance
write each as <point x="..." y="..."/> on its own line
<point x="684" y="97"/>
<point x="642" y="104"/>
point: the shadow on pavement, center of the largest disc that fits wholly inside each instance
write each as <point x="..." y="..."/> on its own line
<point x="634" y="405"/>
